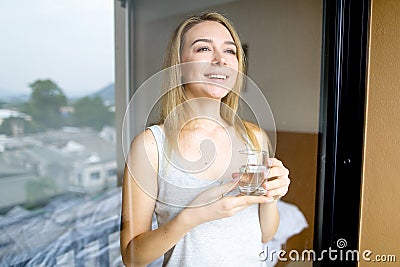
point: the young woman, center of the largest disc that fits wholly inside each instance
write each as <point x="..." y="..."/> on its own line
<point x="185" y="168"/>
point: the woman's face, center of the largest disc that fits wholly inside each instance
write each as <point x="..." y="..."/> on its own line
<point x="212" y="47"/>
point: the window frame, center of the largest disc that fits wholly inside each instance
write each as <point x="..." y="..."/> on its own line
<point x="342" y="118"/>
<point x="342" y="115"/>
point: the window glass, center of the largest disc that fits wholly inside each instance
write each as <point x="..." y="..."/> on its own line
<point x="282" y="42"/>
<point x="57" y="134"/>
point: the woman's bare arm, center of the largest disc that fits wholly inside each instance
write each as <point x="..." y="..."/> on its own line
<point x="277" y="186"/>
<point x="139" y="244"/>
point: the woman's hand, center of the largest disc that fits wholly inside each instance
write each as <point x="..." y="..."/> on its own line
<point x="212" y="204"/>
<point x="277" y="179"/>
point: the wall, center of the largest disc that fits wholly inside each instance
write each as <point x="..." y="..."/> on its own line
<point x="380" y="216"/>
<point x="299" y="151"/>
<point x="284" y="48"/>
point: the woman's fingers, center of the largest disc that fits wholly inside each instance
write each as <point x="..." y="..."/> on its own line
<point x="283" y="181"/>
<point x="274" y="162"/>
<point x="277" y="171"/>
<point x="242" y="201"/>
<point x="277" y="180"/>
<point x="278" y="192"/>
<point x="279" y="186"/>
<point x="214" y="193"/>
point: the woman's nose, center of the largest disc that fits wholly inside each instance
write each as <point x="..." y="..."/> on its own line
<point x="219" y="58"/>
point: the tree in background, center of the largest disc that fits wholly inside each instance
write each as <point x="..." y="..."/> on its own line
<point x="92" y="112"/>
<point x="45" y="102"/>
<point x="39" y="190"/>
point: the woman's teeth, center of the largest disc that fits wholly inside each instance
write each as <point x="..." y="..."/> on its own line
<point x="216" y="76"/>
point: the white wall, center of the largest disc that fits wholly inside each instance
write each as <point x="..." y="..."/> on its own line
<point x="284" y="40"/>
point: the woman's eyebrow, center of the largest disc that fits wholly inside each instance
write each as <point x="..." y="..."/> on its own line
<point x="230" y="43"/>
<point x="210" y="41"/>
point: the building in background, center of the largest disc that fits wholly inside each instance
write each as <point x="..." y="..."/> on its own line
<point x="56" y="162"/>
<point x="16" y="120"/>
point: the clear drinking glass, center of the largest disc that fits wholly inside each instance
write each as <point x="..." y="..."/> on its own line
<point x="253" y="171"/>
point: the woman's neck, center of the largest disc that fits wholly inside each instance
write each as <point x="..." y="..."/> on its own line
<point x="205" y="113"/>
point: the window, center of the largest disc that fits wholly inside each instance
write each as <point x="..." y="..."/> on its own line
<point x="57" y="116"/>
<point x="112" y="172"/>
<point x="57" y="126"/>
<point x="95" y="175"/>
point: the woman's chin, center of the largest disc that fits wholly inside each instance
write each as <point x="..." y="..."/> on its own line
<point x="218" y="92"/>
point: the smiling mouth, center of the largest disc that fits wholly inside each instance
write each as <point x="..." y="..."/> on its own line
<point x="217" y="76"/>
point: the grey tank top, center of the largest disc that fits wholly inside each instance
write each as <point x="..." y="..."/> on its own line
<point x="232" y="241"/>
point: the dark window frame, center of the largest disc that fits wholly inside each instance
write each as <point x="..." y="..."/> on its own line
<point x="342" y="116"/>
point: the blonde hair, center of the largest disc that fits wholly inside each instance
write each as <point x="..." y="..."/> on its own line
<point x="175" y="95"/>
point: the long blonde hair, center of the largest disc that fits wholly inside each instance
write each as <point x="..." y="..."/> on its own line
<point x="175" y="96"/>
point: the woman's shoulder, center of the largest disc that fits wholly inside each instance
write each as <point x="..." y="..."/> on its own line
<point x="146" y="140"/>
<point x="143" y="149"/>
<point x="154" y="127"/>
<point x="149" y="132"/>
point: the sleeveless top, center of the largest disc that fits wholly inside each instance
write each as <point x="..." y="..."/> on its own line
<point x="233" y="241"/>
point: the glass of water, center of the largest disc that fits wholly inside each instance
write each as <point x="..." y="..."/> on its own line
<point x="253" y="171"/>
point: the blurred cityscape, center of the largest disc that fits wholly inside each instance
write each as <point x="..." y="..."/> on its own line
<point x="51" y="145"/>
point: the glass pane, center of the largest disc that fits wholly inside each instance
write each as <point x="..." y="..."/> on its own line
<point x="58" y="182"/>
<point x="282" y="40"/>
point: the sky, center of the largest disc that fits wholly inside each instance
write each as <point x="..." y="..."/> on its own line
<point x="70" y="42"/>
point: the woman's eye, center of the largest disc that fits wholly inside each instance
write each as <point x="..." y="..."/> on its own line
<point x="231" y="51"/>
<point x="203" y="49"/>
